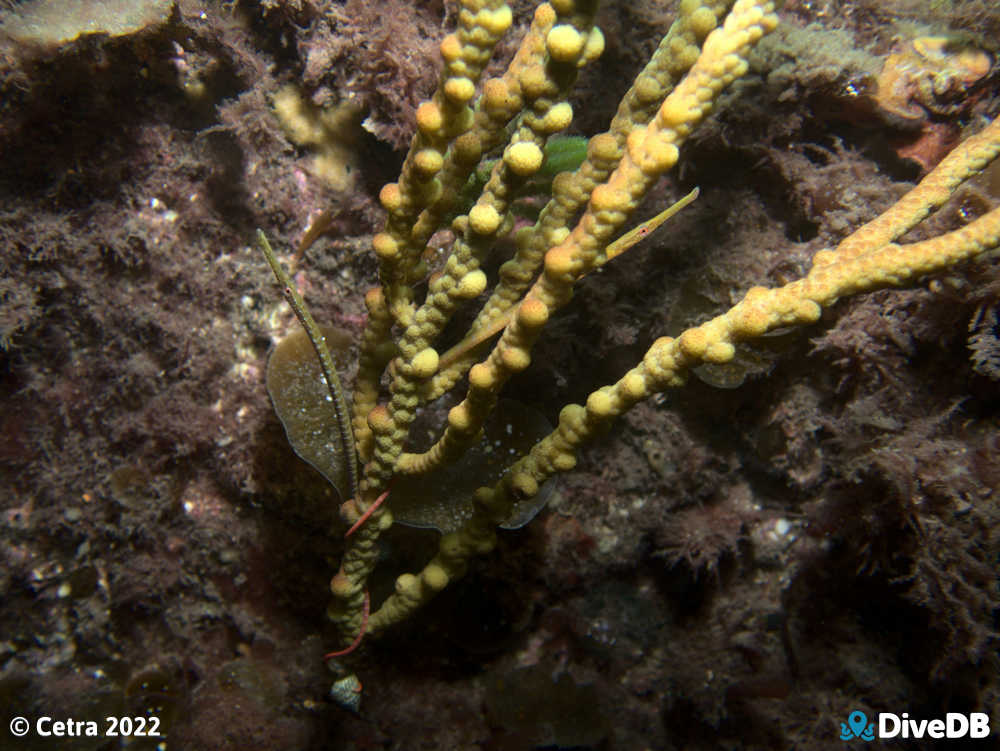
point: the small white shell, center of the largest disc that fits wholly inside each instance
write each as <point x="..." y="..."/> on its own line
<point x="347" y="693"/>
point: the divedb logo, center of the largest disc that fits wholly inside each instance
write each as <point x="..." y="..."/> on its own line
<point x="889" y="725"/>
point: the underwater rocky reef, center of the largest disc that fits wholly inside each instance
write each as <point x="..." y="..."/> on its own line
<point x="808" y="530"/>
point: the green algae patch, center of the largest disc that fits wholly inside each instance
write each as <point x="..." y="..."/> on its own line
<point x="304" y="406"/>
<point x="443" y="500"/>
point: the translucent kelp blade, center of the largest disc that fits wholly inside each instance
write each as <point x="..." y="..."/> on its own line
<point x="302" y="401"/>
<point x="443" y="500"/>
